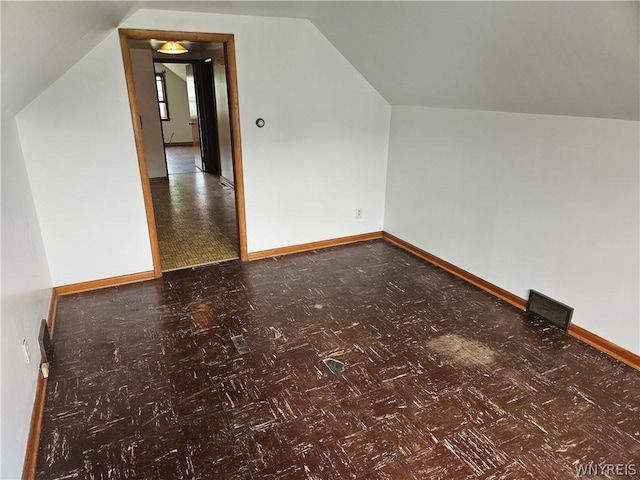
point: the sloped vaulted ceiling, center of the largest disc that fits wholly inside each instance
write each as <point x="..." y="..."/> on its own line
<point x="559" y="58"/>
<point x="42" y="40"/>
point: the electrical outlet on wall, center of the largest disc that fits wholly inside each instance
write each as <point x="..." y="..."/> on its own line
<point x="359" y="212"/>
<point x="27" y="351"/>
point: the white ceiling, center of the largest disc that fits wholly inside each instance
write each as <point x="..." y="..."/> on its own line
<point x="559" y="58"/>
<point x="42" y="40"/>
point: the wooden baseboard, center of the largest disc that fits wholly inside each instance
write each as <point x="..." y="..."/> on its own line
<point x="51" y="319"/>
<point x="33" y="440"/>
<point x="178" y="144"/>
<point x="305" y="247"/>
<point x="494" y="290"/>
<point x="605" y="346"/>
<point x="104" y="283"/>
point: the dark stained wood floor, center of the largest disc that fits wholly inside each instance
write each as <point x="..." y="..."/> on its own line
<point x="441" y="380"/>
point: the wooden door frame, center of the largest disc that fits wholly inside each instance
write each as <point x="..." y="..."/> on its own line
<point x="234" y="114"/>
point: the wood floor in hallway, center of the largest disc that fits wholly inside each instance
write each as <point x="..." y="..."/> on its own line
<point x="181" y="159"/>
<point x="440" y="380"/>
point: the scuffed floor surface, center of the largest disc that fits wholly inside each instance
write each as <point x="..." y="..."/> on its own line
<point x="440" y="379"/>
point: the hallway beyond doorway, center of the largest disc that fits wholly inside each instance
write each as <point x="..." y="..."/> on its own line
<point x="180" y="159"/>
<point x="195" y="215"/>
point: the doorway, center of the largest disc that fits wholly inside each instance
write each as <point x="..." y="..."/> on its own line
<point x="204" y="186"/>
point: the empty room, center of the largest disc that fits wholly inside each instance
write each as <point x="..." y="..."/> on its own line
<point x="433" y="227"/>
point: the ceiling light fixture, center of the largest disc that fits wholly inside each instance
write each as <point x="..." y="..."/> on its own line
<point x="172" y="48"/>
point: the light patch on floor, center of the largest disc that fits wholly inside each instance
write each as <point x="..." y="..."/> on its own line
<point x="461" y="351"/>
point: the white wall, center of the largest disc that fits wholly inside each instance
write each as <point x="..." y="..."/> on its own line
<point x="321" y="155"/>
<point x="79" y="150"/>
<point x="222" y="117"/>
<point x="540" y="202"/>
<point x="177" y="129"/>
<point x="144" y="78"/>
<point x="323" y="150"/>
<point x="26" y="291"/>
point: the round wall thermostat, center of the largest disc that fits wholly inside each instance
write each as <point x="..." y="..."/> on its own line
<point x="260" y="122"/>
